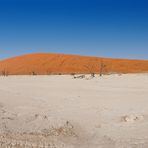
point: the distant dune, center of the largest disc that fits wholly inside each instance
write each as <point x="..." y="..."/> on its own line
<point x="44" y="63"/>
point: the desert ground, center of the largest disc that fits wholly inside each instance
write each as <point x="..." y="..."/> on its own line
<point x="62" y="112"/>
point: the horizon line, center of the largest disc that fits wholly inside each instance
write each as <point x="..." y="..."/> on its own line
<point x="70" y="54"/>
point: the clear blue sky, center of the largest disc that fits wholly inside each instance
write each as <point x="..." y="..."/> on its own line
<point x="108" y="28"/>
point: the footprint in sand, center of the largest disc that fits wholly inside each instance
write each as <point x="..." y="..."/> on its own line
<point x="2" y="110"/>
<point x="1" y="105"/>
<point x="8" y="115"/>
<point x="35" y="117"/>
<point x="132" y="118"/>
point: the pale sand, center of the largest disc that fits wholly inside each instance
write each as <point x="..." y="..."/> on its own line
<point x="62" y="112"/>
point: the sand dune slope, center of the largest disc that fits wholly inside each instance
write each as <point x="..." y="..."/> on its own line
<point x="43" y="63"/>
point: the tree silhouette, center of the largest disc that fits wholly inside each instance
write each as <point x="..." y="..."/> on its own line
<point x="102" y="66"/>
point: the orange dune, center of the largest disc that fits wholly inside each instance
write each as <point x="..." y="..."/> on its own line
<point x="45" y="63"/>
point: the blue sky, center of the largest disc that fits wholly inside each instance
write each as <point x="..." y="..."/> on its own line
<point x="107" y="28"/>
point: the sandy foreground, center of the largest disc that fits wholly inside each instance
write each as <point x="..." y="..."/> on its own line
<point x="62" y="112"/>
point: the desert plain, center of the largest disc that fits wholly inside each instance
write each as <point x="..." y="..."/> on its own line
<point x="58" y="111"/>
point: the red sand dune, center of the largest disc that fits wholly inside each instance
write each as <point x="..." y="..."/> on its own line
<point x="44" y="63"/>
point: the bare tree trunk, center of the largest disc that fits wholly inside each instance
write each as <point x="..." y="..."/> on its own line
<point x="102" y="66"/>
<point x="4" y="73"/>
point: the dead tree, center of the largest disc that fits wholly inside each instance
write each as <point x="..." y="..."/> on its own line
<point x="90" y="70"/>
<point x="102" y="66"/>
<point x="34" y="73"/>
<point x="4" y="73"/>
